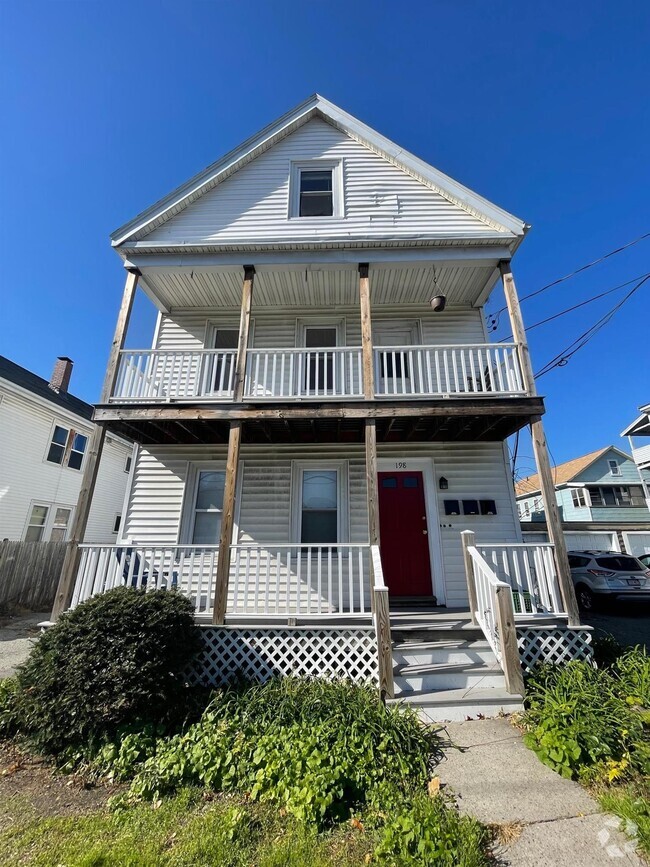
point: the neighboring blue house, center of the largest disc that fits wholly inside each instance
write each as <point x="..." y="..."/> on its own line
<point x="604" y="486"/>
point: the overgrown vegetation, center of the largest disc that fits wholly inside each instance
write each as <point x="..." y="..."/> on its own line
<point x="115" y="661"/>
<point x="593" y="724"/>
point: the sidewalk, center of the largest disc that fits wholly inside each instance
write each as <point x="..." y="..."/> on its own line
<point x="500" y="781"/>
<point x="17" y="635"/>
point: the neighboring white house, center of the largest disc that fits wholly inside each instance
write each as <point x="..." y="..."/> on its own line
<point x="320" y="415"/>
<point x="601" y="499"/>
<point x="44" y="435"/>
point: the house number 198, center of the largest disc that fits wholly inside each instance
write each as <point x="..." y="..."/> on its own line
<point x="400" y="465"/>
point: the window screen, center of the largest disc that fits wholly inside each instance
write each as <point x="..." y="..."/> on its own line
<point x="319" y="517"/>
<point x="208" y="507"/>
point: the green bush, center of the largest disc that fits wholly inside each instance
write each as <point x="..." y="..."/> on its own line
<point x="580" y="717"/>
<point x="115" y="661"/>
<point x="318" y="749"/>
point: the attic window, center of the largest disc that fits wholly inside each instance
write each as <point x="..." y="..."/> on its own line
<point x="316" y="189"/>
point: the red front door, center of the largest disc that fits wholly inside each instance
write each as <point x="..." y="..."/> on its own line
<point x="404" y="534"/>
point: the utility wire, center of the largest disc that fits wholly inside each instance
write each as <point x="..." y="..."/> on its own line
<point x="496" y="316"/>
<point x="580" y="304"/>
<point x="562" y="358"/>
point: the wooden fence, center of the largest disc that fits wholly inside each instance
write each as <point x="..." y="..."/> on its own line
<point x="29" y="573"/>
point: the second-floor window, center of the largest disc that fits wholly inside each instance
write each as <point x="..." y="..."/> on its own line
<point x="67" y="447"/>
<point x="578" y="497"/>
<point x="616" y="495"/>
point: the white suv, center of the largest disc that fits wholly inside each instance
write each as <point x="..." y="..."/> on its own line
<point x="607" y="574"/>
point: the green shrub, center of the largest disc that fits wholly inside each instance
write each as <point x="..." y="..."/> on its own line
<point x="318" y="749"/>
<point x="115" y="661"/>
<point x="581" y="718"/>
<point x="607" y="650"/>
<point x="9" y="720"/>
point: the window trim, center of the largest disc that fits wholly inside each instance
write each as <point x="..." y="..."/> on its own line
<point x="186" y="523"/>
<point x="304" y="323"/>
<point x="614" y="467"/>
<point x="117" y="517"/>
<point x="342" y="497"/>
<point x="323" y="165"/>
<point x="580" y="494"/>
<point x="48" y="525"/>
<point x="71" y="432"/>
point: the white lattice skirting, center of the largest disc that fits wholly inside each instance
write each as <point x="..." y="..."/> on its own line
<point x="554" y="645"/>
<point x="259" y="654"/>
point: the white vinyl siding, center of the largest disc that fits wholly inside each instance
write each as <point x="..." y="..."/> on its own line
<point x="476" y="470"/>
<point x="26" y="477"/>
<point x="379" y="199"/>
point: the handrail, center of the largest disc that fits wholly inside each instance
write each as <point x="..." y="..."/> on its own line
<point x="382" y="626"/>
<point x="495" y="615"/>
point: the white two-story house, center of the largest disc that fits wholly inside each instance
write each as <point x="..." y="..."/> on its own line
<point x="320" y="414"/>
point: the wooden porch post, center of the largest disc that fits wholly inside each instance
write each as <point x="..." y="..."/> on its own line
<point x="244" y="329"/>
<point x="72" y="558"/>
<point x="553" y="521"/>
<point x="468" y="539"/>
<point x="367" y="354"/>
<point x="540" y="451"/>
<point x="371" y="480"/>
<point x="227" y="522"/>
<point x="510" y="659"/>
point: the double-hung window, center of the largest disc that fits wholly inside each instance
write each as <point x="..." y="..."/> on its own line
<point x="578" y="497"/>
<point x="614" y="468"/>
<point x="48" y="522"/>
<point x="36" y="526"/>
<point x="207" y="507"/>
<point x="320" y="502"/>
<point x="316" y="189"/>
<point x="67" y="447"/>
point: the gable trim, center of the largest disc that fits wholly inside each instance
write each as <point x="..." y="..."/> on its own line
<point x="316" y="106"/>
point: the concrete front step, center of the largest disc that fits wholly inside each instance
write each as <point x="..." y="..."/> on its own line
<point x="441" y="652"/>
<point x="458" y="704"/>
<point x="419" y="678"/>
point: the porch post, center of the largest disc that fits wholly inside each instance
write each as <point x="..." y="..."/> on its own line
<point x="371" y="480"/>
<point x="468" y="539"/>
<point x="540" y="451"/>
<point x="367" y="355"/>
<point x="553" y="522"/>
<point x="227" y="522"/>
<point x="72" y="557"/>
<point x="244" y="328"/>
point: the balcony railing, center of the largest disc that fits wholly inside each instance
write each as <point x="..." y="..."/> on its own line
<point x="266" y="580"/>
<point x="304" y="373"/>
<point x="529" y="571"/>
<point x="424" y="371"/>
<point x="486" y="369"/>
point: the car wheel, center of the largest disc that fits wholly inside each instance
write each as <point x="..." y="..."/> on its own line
<point x="586" y="599"/>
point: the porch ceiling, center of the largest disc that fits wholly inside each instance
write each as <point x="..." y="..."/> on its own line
<point x="318" y="284"/>
<point x="431" y="424"/>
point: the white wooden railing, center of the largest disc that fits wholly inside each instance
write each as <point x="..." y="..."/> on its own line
<point x="381" y="619"/>
<point x="487" y="585"/>
<point x="529" y="571"/>
<point x="148" y="374"/>
<point x="421" y="371"/>
<point x="190" y="569"/>
<point x="299" y="580"/>
<point x="319" y="373"/>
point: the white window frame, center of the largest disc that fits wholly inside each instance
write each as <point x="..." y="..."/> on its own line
<point x="342" y="497"/>
<point x="186" y="524"/>
<point x="318" y="165"/>
<point x="320" y="322"/>
<point x="128" y="463"/>
<point x="614" y="467"/>
<point x="48" y="526"/>
<point x="115" y="530"/>
<point x="67" y="448"/>
<point x="580" y="494"/>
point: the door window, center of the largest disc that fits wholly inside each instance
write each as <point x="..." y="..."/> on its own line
<point x="319" y="372"/>
<point x="319" y="507"/>
<point x="224" y="363"/>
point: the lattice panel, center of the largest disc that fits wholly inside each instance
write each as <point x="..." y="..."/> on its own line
<point x="259" y="654"/>
<point x="553" y="645"/>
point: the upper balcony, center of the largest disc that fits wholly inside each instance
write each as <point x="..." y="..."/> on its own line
<point x="153" y="376"/>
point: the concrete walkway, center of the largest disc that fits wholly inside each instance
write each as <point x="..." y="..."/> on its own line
<point x="500" y="781"/>
<point x="17" y="634"/>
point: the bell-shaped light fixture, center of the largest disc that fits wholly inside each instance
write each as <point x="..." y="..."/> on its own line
<point x="438" y="303"/>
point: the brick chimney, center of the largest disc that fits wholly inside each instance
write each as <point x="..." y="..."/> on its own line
<point x="61" y="374"/>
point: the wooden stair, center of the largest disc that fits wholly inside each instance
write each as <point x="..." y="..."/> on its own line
<point x="444" y="668"/>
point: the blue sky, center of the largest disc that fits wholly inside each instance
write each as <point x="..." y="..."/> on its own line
<point x="542" y="108"/>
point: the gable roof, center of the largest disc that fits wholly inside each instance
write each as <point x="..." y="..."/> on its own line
<point x="503" y="223"/>
<point x="563" y="473"/>
<point x="641" y="425"/>
<point x="40" y="387"/>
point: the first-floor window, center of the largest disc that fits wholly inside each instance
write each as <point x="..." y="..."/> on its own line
<point x="319" y="506"/>
<point x="60" y="524"/>
<point x="36" y="526"/>
<point x="208" y="507"/>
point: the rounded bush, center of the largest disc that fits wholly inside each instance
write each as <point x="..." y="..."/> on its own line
<point x="117" y="660"/>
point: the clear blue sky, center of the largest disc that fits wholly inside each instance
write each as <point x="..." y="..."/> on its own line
<point x="542" y="108"/>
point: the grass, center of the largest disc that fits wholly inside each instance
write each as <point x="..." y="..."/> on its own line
<point x="630" y="801"/>
<point x="187" y="829"/>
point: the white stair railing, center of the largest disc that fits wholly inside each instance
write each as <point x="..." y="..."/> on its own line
<point x="381" y="618"/>
<point x="419" y="371"/>
<point x="495" y="615"/>
<point x="190" y="569"/>
<point x="164" y="375"/>
<point x="529" y="570"/>
<point x="304" y="373"/>
<point x="299" y="580"/>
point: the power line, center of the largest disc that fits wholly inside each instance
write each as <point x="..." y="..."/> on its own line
<point x="496" y="316"/>
<point x="580" y="304"/>
<point x="562" y="358"/>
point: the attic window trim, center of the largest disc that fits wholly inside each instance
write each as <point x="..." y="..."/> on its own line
<point x="323" y="165"/>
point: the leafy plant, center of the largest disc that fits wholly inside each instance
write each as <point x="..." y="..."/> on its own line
<point x="115" y="661"/>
